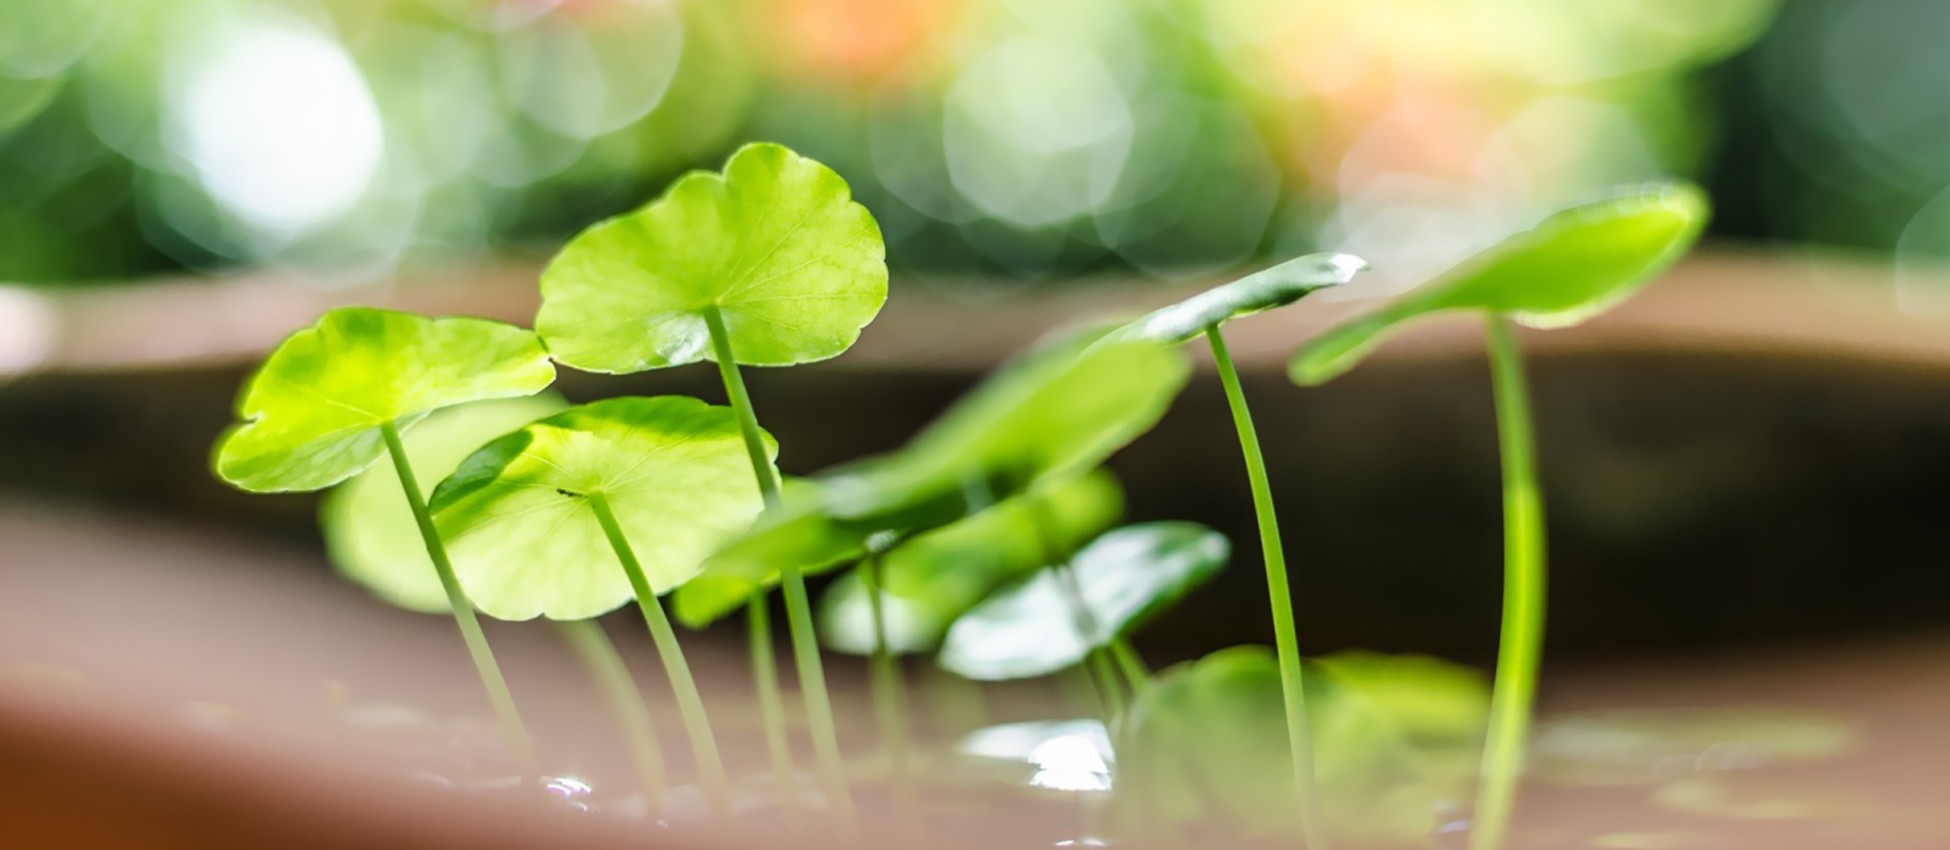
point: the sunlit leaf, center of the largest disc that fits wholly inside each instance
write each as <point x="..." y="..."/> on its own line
<point x="312" y="412"/>
<point x="1205" y="746"/>
<point x="369" y="529"/>
<point x="1263" y="290"/>
<point x="935" y="577"/>
<point x="1035" y="627"/>
<point x="525" y="539"/>
<point x="775" y="244"/>
<point x="1056" y="411"/>
<point x="1573" y="265"/>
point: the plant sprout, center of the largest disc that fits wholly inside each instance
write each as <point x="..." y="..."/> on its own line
<point x="770" y="263"/>
<point x="539" y="520"/>
<point x="331" y="398"/>
<point x="1204" y="314"/>
<point x="1119" y="580"/>
<point x="1573" y="265"/>
<point x="1058" y="410"/>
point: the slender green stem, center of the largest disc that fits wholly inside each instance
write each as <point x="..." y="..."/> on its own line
<point x="890" y="705"/>
<point x="625" y="701"/>
<point x="1522" y="641"/>
<point x="690" y="704"/>
<point x="771" y="706"/>
<point x="463" y="609"/>
<point x="1286" y="640"/>
<point x="1130" y="663"/>
<point x="798" y="605"/>
<point x="1116" y="702"/>
<point x="889" y="689"/>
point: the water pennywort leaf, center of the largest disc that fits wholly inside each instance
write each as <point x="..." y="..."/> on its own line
<point x="775" y="244"/>
<point x="935" y="577"/>
<point x="369" y="528"/>
<point x="1573" y="265"/>
<point x="525" y="540"/>
<point x="1058" y="410"/>
<point x="1263" y="290"/>
<point x="312" y="412"/>
<point x="1034" y="627"/>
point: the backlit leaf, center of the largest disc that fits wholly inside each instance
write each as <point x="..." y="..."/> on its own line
<point x="774" y="244"/>
<point x="313" y="410"/>
<point x="1573" y="265"/>
<point x="525" y="539"/>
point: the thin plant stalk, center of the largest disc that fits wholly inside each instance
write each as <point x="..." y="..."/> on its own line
<point x="1285" y="639"/>
<point x="1130" y="663"/>
<point x="889" y="688"/>
<point x="690" y="704"/>
<point x="613" y="678"/>
<point x="1521" y="644"/>
<point x="890" y="702"/>
<point x="798" y="605"/>
<point x="771" y="707"/>
<point x="463" y="609"/>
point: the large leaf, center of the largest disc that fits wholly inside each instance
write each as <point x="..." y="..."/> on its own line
<point x="1260" y="291"/>
<point x="1054" y="412"/>
<point x="526" y="540"/>
<point x="775" y="245"/>
<point x="1035" y="627"/>
<point x="935" y="577"/>
<point x="1575" y="264"/>
<point x="369" y="529"/>
<point x="1205" y="747"/>
<point x="313" y="410"/>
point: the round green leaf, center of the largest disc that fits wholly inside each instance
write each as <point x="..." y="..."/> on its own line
<point x="1575" y="264"/>
<point x="775" y="245"/>
<point x="1205" y="746"/>
<point x="935" y="577"/>
<point x="1060" y="409"/>
<point x="1033" y="628"/>
<point x="1264" y="290"/>
<point x="369" y="530"/>
<point x="313" y="410"/>
<point x="525" y="539"/>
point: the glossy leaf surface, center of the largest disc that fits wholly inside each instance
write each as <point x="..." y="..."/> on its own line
<point x="313" y="410"/>
<point x="525" y="541"/>
<point x="1034" y="627"/>
<point x="1263" y="290"/>
<point x="935" y="577"/>
<point x="775" y="244"/>
<point x="1573" y="265"/>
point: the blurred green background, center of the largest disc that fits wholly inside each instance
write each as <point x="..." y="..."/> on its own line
<point x="1000" y="142"/>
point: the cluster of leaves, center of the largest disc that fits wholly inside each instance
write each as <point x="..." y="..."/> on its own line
<point x="990" y="538"/>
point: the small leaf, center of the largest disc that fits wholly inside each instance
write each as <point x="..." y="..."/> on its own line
<point x="525" y="540"/>
<point x="775" y="244"/>
<point x="369" y="529"/>
<point x="313" y="410"/>
<point x="1033" y="628"/>
<point x="935" y="577"/>
<point x="1205" y="746"/>
<point x="1263" y="290"/>
<point x="1573" y="265"/>
<point x="1056" y="411"/>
